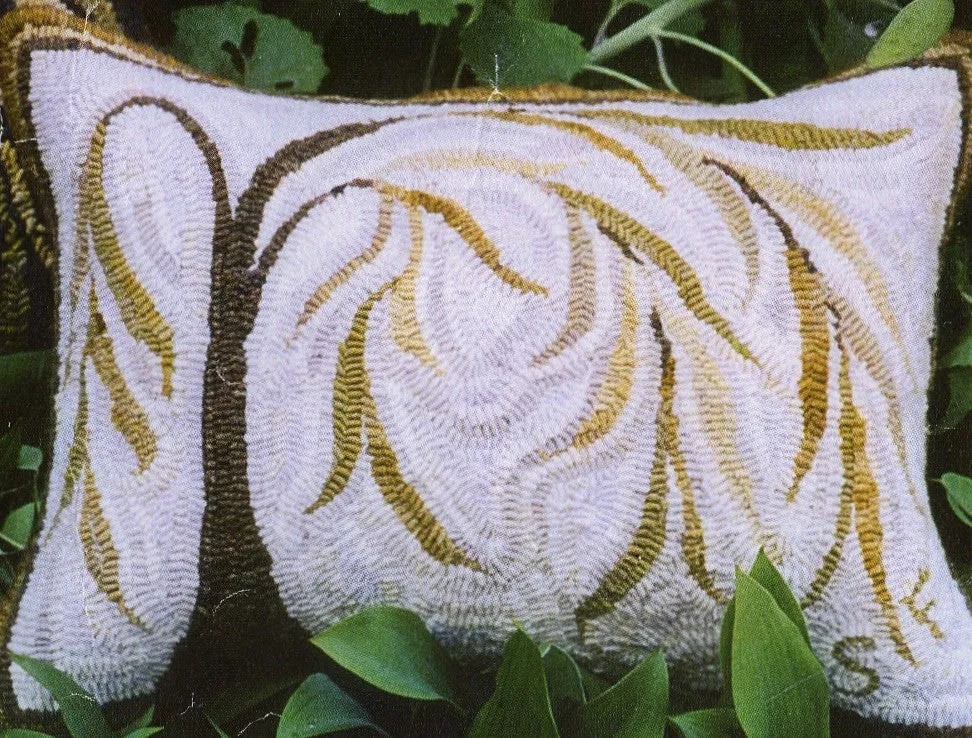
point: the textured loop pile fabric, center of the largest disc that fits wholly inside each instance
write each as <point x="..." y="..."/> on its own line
<point x="566" y="358"/>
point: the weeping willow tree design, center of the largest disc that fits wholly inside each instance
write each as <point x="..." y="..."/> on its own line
<point x="827" y="323"/>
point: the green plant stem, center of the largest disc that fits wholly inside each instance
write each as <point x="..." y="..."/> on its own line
<point x="729" y="58"/>
<point x="663" y="67"/>
<point x="458" y="75"/>
<point x="602" y="29"/>
<point x="436" y="40"/>
<point x="608" y="72"/>
<point x="642" y="29"/>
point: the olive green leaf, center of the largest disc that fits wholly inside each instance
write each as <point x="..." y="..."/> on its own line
<point x="505" y="50"/>
<point x="635" y="707"/>
<point x="320" y="707"/>
<point x="959" y="492"/>
<point x="778" y="685"/>
<point x="918" y="27"/>
<point x="520" y="704"/>
<point x="719" y="722"/>
<point x="392" y="649"/>
<point x="241" y="44"/>
<point x="80" y="711"/>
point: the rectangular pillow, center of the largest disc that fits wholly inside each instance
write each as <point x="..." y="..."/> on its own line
<point x="562" y="357"/>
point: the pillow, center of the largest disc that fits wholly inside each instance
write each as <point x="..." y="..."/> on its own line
<point x="563" y="357"/>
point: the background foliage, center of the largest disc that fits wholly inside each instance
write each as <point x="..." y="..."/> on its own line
<point x="382" y="671"/>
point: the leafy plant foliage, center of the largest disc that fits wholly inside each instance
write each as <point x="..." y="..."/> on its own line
<point x="778" y="685"/>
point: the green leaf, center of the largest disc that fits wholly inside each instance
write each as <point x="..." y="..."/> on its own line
<point x="143" y="732"/>
<point x="918" y="27"/>
<point x="392" y="649"/>
<point x="20" y="375"/>
<point x="720" y="722"/>
<point x="30" y="458"/>
<point x="594" y="686"/>
<point x="959" y="396"/>
<point x="841" y="41"/>
<point x="766" y="574"/>
<point x="436" y="12"/>
<point x="961" y="353"/>
<point x="535" y="9"/>
<point x="80" y="712"/>
<point x="18" y="526"/>
<point x="959" y="492"/>
<point x="320" y="707"/>
<point x="241" y="44"/>
<point x="219" y="731"/>
<point x="142" y="721"/>
<point x="10" y="449"/>
<point x="21" y="733"/>
<point x="520" y="704"/>
<point x="505" y="50"/>
<point x="230" y="704"/>
<point x="725" y="651"/>
<point x="564" y="679"/>
<point x="635" y="707"/>
<point x="778" y="685"/>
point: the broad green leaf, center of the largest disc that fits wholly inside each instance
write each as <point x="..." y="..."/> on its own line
<point x="720" y="722"/>
<point x="254" y="49"/>
<point x="506" y="50"/>
<point x="766" y="574"/>
<point x="143" y="732"/>
<point x="635" y="707"/>
<point x="392" y="649"/>
<point x="18" y="526"/>
<point x="219" y="731"/>
<point x="959" y="491"/>
<point x="961" y="353"/>
<point x="594" y="686"/>
<point x="520" y="704"/>
<point x="918" y="27"/>
<point x="725" y="651"/>
<point x="536" y="9"/>
<point x="230" y="704"/>
<point x="841" y="41"/>
<point x="80" y="712"/>
<point x="320" y="707"/>
<point x="564" y="680"/>
<point x="142" y="721"/>
<point x="30" y="458"/>
<point x="10" y="449"/>
<point x="436" y="12"/>
<point x="21" y="733"/>
<point x="959" y="396"/>
<point x="778" y="685"/>
<point x="20" y="375"/>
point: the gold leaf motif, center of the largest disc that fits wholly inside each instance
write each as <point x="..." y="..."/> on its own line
<point x="629" y="234"/>
<point x="592" y="135"/>
<point x="791" y="136"/>
<point x="138" y="311"/>
<point x="126" y="414"/>
<point x="405" y="326"/>
<point x="615" y="390"/>
<point x="582" y="297"/>
<point x="649" y="538"/>
<point x="323" y="293"/>
<point x="100" y="554"/>
<point x="459" y="219"/>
